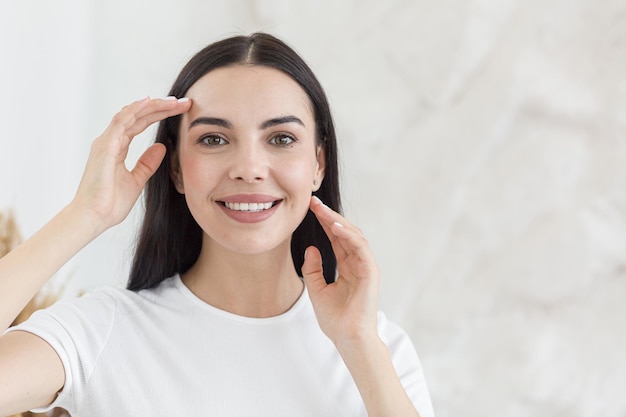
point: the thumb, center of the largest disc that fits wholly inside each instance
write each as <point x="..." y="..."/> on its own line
<point x="312" y="271"/>
<point x="148" y="163"/>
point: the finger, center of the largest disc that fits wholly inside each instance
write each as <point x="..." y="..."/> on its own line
<point x="312" y="270"/>
<point x="346" y="239"/>
<point x="157" y="110"/>
<point x="148" y="163"/>
<point x="128" y="114"/>
<point x="327" y="215"/>
<point x="331" y="221"/>
<point x="317" y="209"/>
<point x="141" y="108"/>
<point x="354" y="244"/>
<point x="136" y="117"/>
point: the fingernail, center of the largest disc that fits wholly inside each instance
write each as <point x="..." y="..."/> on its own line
<point x="183" y="100"/>
<point x="169" y="98"/>
<point x="338" y="224"/>
<point x="320" y="202"/>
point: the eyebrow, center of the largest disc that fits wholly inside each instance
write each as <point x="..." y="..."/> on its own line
<point x="211" y="121"/>
<point x="281" y="120"/>
<point x="216" y="121"/>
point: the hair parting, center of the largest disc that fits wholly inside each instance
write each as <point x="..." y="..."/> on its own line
<point x="170" y="240"/>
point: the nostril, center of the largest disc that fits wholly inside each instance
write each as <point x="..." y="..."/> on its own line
<point x="249" y="180"/>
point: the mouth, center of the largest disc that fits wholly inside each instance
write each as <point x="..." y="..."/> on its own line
<point x="249" y="207"/>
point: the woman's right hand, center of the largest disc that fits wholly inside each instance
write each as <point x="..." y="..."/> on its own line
<point x="104" y="198"/>
<point x="108" y="190"/>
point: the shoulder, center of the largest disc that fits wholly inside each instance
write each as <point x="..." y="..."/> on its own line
<point x="108" y="297"/>
<point x="97" y="308"/>
<point x="81" y="329"/>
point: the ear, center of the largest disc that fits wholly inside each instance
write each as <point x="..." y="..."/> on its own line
<point x="321" y="167"/>
<point x="175" y="172"/>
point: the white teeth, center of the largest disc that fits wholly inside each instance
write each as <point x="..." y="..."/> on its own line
<point x="249" y="206"/>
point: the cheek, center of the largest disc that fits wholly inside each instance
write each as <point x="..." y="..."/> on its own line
<point x="198" y="177"/>
<point x="194" y="169"/>
<point x="297" y="175"/>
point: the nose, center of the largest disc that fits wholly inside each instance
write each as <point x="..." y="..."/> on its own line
<point x="249" y="163"/>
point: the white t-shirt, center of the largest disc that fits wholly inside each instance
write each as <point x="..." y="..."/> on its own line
<point x="165" y="352"/>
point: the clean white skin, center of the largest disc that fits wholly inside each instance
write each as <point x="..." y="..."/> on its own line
<point x="263" y="144"/>
<point x="283" y="160"/>
<point x="247" y="265"/>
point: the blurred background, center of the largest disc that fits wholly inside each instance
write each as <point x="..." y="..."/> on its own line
<point x="483" y="149"/>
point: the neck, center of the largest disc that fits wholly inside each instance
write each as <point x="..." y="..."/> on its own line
<point x="259" y="285"/>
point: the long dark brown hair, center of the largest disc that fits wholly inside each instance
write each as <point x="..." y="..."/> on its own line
<point x="170" y="240"/>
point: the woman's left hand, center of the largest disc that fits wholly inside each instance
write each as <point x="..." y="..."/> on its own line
<point x="346" y="309"/>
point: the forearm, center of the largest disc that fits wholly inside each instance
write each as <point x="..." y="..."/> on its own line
<point x="375" y="376"/>
<point x="27" y="268"/>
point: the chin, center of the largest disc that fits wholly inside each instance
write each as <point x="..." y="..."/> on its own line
<point x="251" y="246"/>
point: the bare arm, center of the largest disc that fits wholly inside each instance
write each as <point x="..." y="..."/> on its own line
<point x="371" y="368"/>
<point x="27" y="268"/>
<point x="107" y="192"/>
<point x="347" y="313"/>
<point x="33" y="375"/>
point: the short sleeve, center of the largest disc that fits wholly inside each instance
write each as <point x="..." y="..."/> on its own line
<point x="78" y="330"/>
<point x="407" y="364"/>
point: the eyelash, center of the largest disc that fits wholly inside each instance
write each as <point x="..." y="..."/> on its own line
<point x="281" y="136"/>
<point x="204" y="140"/>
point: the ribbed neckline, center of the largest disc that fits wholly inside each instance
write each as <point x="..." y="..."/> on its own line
<point x="298" y="305"/>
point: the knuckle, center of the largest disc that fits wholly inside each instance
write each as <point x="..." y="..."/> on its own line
<point x="118" y="117"/>
<point x="142" y="124"/>
<point x="124" y="118"/>
<point x="362" y="240"/>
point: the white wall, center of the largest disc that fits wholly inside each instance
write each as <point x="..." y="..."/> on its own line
<point x="484" y="149"/>
<point x="45" y="53"/>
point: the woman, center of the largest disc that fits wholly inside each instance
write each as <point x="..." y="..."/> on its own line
<point x="247" y="294"/>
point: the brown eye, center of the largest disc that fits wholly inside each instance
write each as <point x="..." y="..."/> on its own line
<point x="282" y="140"/>
<point x="212" y="140"/>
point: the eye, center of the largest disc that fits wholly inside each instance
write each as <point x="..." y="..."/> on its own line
<point x="212" y="140"/>
<point x="282" y="139"/>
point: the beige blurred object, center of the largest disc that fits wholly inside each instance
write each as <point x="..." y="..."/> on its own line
<point x="10" y="235"/>
<point x="10" y="238"/>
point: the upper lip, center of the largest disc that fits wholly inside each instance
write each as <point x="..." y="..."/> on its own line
<point x="248" y="198"/>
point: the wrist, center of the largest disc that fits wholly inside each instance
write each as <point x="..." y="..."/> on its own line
<point x="362" y="347"/>
<point x="87" y="219"/>
<point x="374" y="374"/>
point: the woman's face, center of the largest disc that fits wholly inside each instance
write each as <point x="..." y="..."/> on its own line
<point x="247" y="159"/>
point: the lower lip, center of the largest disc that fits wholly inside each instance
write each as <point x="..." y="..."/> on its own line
<point x="249" y="216"/>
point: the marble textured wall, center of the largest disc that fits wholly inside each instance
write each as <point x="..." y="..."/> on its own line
<point x="486" y="160"/>
<point x="484" y="154"/>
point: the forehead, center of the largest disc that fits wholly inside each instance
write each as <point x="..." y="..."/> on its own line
<point x="248" y="91"/>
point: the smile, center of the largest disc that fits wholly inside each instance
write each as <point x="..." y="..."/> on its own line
<point x="250" y="207"/>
